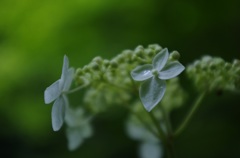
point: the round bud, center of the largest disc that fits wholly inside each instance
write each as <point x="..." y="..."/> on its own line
<point x="114" y="64"/>
<point x="236" y="62"/>
<point x="227" y="66"/>
<point x="86" y="68"/>
<point x="95" y="66"/>
<point x="98" y="59"/>
<point x="79" y="71"/>
<point x="127" y="53"/>
<point x="155" y="47"/>
<point x="106" y="62"/>
<point x="139" y="51"/>
<point x="150" y="52"/>
<point x="175" y="55"/>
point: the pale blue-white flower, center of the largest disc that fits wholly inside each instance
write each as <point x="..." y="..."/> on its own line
<point x="154" y="75"/>
<point x="78" y="127"/>
<point x="56" y="93"/>
<point x="150" y="146"/>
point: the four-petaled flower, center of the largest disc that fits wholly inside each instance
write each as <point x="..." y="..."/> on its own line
<point x="56" y="92"/>
<point x="155" y="74"/>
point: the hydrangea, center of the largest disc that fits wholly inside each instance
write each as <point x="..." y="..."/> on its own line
<point x="78" y="127"/>
<point x="154" y="75"/>
<point x="56" y="93"/>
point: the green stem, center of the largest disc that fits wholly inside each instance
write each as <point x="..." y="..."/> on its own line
<point x="157" y="124"/>
<point x="169" y="136"/>
<point x="190" y="114"/>
<point x="147" y="126"/>
<point x="76" y="89"/>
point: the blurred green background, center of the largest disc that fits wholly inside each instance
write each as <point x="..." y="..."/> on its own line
<point x="34" y="36"/>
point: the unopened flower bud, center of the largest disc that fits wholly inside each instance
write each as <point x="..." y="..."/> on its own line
<point x="175" y="55"/>
<point x="106" y="62"/>
<point x="98" y="59"/>
<point x="79" y="71"/>
<point x="114" y="64"/>
<point x="95" y="66"/>
<point x="236" y="62"/>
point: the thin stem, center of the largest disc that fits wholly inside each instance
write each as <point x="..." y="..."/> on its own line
<point x="190" y="114"/>
<point x="76" y="89"/>
<point x="157" y="124"/>
<point x="145" y="124"/>
<point x="169" y="136"/>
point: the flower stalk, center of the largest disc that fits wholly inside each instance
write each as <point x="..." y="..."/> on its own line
<point x="189" y="116"/>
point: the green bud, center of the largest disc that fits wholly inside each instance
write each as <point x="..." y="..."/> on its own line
<point x="227" y="66"/>
<point x="139" y="48"/>
<point x="218" y="61"/>
<point x="114" y="64"/>
<point x="96" y="77"/>
<point x="155" y="47"/>
<point x="98" y="59"/>
<point x="212" y="66"/>
<point x="86" y="69"/>
<point x="236" y="62"/>
<point x="175" y="55"/>
<point x="119" y="58"/>
<point x="79" y="71"/>
<point x="150" y="52"/>
<point x="237" y="71"/>
<point x="206" y="59"/>
<point x="139" y="51"/>
<point x="197" y="64"/>
<point x="80" y="80"/>
<point x="134" y="57"/>
<point x="106" y="62"/>
<point x="94" y="66"/>
<point x="127" y="53"/>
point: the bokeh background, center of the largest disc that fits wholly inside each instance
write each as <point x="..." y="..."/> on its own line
<point x="34" y="36"/>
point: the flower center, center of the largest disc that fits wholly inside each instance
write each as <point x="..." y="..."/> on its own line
<point x="155" y="72"/>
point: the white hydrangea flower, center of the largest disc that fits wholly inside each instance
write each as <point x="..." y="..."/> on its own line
<point x="78" y="127"/>
<point x="55" y="93"/>
<point x="155" y="74"/>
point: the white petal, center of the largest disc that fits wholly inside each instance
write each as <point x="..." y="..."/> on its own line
<point x="64" y="71"/>
<point x="142" y="72"/>
<point x="150" y="150"/>
<point x="171" y="70"/>
<point x="138" y="132"/>
<point x="74" y="117"/>
<point x="151" y="92"/>
<point x="76" y="135"/>
<point x="52" y="92"/>
<point x="160" y="60"/>
<point x="68" y="79"/>
<point x="58" y="112"/>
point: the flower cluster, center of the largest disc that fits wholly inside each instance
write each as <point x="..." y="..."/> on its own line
<point x="213" y="73"/>
<point x="110" y="83"/>
<point x="154" y="75"/>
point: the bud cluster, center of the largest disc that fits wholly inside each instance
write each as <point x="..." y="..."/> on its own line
<point x="213" y="73"/>
<point x="110" y="80"/>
